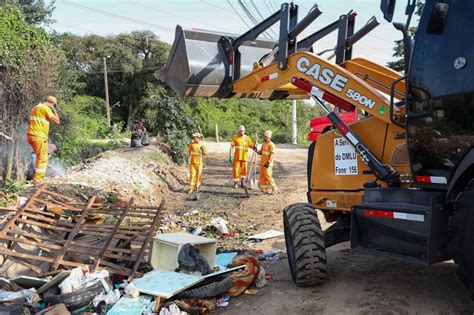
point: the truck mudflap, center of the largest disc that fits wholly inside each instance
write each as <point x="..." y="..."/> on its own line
<point x="196" y="65"/>
<point x="402" y="222"/>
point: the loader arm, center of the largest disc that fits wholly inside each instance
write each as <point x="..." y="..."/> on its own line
<point x="377" y="76"/>
<point x="330" y="78"/>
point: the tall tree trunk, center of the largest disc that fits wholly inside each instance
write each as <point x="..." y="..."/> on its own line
<point x="8" y="166"/>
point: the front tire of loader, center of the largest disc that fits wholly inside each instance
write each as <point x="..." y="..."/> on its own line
<point x="305" y="248"/>
<point x="461" y="243"/>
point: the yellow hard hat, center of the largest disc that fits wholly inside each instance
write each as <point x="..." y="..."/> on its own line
<point x="52" y="100"/>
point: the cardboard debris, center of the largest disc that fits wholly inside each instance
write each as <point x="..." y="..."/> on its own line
<point x="266" y="235"/>
<point x="164" y="283"/>
<point x="224" y="259"/>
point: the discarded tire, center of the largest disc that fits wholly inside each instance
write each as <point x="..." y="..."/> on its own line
<point x="74" y="300"/>
<point x="304" y="245"/>
<point x="210" y="290"/>
<point x="461" y="244"/>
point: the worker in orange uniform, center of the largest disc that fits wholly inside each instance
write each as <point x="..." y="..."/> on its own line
<point x="267" y="151"/>
<point x="37" y="134"/>
<point x="238" y="155"/>
<point x="196" y="152"/>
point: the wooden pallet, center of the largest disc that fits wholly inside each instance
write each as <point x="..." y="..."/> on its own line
<point x="57" y="227"/>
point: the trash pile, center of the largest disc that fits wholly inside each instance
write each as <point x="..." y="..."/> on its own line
<point x="61" y="255"/>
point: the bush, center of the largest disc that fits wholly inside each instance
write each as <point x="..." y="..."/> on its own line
<point x="82" y="118"/>
<point x="168" y="118"/>
<point x="256" y="115"/>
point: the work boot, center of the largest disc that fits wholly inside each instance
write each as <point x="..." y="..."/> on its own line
<point x="236" y="185"/>
<point x="190" y="191"/>
<point x="275" y="191"/>
<point x="242" y="182"/>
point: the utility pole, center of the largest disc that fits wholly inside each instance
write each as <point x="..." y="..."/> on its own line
<point x="294" y="130"/>
<point x="106" y="85"/>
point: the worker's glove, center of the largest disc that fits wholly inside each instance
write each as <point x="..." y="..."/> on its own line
<point x="53" y="110"/>
<point x="267" y="165"/>
<point x="231" y="158"/>
<point x="255" y="148"/>
<point x="259" y="152"/>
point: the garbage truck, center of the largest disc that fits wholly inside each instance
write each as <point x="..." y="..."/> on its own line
<point x="397" y="182"/>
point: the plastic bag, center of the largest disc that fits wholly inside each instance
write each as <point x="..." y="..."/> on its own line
<point x="73" y="282"/>
<point x="221" y="225"/>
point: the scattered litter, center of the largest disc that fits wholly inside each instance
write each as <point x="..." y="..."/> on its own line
<point x="132" y="290"/>
<point x="260" y="282"/>
<point x="28" y="294"/>
<point x="251" y="291"/>
<point x="266" y="235"/>
<point x="223" y="301"/>
<point x="58" y="309"/>
<point x="190" y="213"/>
<point x="110" y="299"/>
<point x="268" y="256"/>
<point x="220" y="224"/>
<point x="128" y="305"/>
<point x="171" y="309"/>
<point x="196" y="231"/>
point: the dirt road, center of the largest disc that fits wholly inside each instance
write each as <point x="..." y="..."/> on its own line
<point x="357" y="283"/>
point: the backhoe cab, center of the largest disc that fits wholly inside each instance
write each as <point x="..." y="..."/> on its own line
<point x="399" y="181"/>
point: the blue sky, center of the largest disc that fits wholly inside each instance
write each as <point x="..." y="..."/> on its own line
<point x="162" y="16"/>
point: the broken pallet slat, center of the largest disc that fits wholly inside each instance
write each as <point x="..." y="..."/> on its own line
<point x="147" y="241"/>
<point x="73" y="234"/>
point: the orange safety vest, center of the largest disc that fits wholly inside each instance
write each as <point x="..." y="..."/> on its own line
<point x="267" y="150"/>
<point x="196" y="150"/>
<point x="241" y="145"/>
<point x="39" y="120"/>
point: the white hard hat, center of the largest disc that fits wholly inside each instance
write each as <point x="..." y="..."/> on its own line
<point x="241" y="127"/>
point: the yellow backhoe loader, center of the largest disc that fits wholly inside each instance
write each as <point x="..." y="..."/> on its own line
<point x="398" y="182"/>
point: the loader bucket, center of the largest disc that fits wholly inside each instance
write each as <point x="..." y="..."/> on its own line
<point x="195" y="66"/>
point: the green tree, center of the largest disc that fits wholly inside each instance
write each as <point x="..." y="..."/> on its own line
<point x="399" y="64"/>
<point x="35" y="12"/>
<point x="131" y="59"/>
<point x="27" y="73"/>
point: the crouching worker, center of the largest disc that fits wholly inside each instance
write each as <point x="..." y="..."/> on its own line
<point x="139" y="134"/>
<point x="196" y="152"/>
<point x="267" y="151"/>
<point x="37" y="135"/>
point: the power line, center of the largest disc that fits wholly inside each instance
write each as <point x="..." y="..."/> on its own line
<point x="261" y="16"/>
<point x="251" y="16"/>
<point x="121" y="17"/>
<point x="217" y="6"/>
<point x="172" y="14"/>
<point x="238" y="14"/>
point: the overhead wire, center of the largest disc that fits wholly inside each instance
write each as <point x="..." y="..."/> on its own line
<point x="121" y="17"/>
<point x="238" y="14"/>
<point x="251" y="17"/>
<point x="261" y="16"/>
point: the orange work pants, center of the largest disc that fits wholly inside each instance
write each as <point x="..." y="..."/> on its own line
<point x="40" y="147"/>
<point x="195" y="175"/>
<point x="266" y="178"/>
<point x="239" y="170"/>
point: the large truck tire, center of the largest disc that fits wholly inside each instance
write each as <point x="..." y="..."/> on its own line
<point x="304" y="240"/>
<point x="461" y="244"/>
